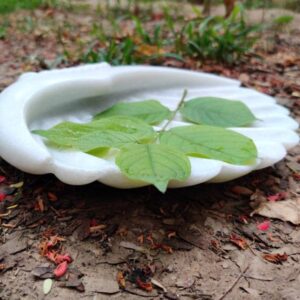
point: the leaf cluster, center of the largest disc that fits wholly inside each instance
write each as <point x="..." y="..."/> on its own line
<point x="157" y="157"/>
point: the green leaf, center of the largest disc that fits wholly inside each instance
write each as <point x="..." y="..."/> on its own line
<point x="150" y="111"/>
<point x="109" y="132"/>
<point x="211" y="142"/>
<point x="155" y="163"/>
<point x="217" y="112"/>
<point x="98" y="152"/>
<point x="47" y="285"/>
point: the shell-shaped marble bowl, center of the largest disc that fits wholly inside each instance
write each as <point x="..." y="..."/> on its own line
<point x="41" y="100"/>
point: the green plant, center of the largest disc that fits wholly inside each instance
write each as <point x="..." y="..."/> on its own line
<point x="214" y="38"/>
<point x="3" y="28"/>
<point x="115" y="52"/>
<point x="282" y="21"/>
<point x="146" y="37"/>
<point x="219" y="38"/>
<point x="2" y="32"/>
<point x="159" y="156"/>
<point x="143" y="47"/>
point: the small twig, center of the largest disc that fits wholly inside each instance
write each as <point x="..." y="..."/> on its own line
<point x="255" y="254"/>
<point x="294" y="253"/>
<point x="5" y="214"/>
<point x="234" y="284"/>
<point x="8" y="225"/>
<point x="258" y="278"/>
<point x="55" y="211"/>
<point x="175" y="111"/>
<point x="252" y="251"/>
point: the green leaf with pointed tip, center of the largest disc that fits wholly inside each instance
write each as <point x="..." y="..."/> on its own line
<point x="109" y="132"/>
<point x="217" y="112"/>
<point x="211" y="142"/>
<point x="150" y="111"/>
<point x="154" y="163"/>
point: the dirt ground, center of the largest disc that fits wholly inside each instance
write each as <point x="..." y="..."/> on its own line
<point x="200" y="242"/>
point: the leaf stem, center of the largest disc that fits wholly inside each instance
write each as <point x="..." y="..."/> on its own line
<point x="175" y="111"/>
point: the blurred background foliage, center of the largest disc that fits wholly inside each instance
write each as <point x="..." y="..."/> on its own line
<point x="144" y="31"/>
<point x="7" y="6"/>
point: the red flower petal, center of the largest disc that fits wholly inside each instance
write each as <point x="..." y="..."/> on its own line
<point x="2" y="179"/>
<point x="61" y="258"/>
<point x="61" y="269"/>
<point x="277" y="197"/>
<point x="2" y="197"/>
<point x="51" y="255"/>
<point x="264" y="226"/>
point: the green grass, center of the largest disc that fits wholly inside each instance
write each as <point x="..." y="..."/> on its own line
<point x="8" y="6"/>
<point x="215" y="38"/>
<point x="219" y="38"/>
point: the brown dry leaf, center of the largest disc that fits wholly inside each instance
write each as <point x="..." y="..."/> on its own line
<point x="140" y="239"/>
<point x="83" y="230"/>
<point x="239" y="241"/>
<point x="287" y="210"/>
<point x="132" y="246"/>
<point x="273" y="238"/>
<point x="122" y="231"/>
<point x="257" y="198"/>
<point x="97" y="228"/>
<point x="149" y="238"/>
<point x="284" y="59"/>
<point x="43" y="272"/>
<point x="241" y="190"/>
<point x="164" y="247"/>
<point x="41" y="205"/>
<point x="121" y="279"/>
<point x="17" y="244"/>
<point x="52" y="197"/>
<point x="201" y="241"/>
<point x="275" y="258"/>
<point x="147" y="286"/>
<point x="149" y="50"/>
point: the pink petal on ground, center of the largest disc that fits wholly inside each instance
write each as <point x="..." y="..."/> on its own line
<point x="264" y="226"/>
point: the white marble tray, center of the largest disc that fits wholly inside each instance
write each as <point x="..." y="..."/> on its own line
<point x="41" y="100"/>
